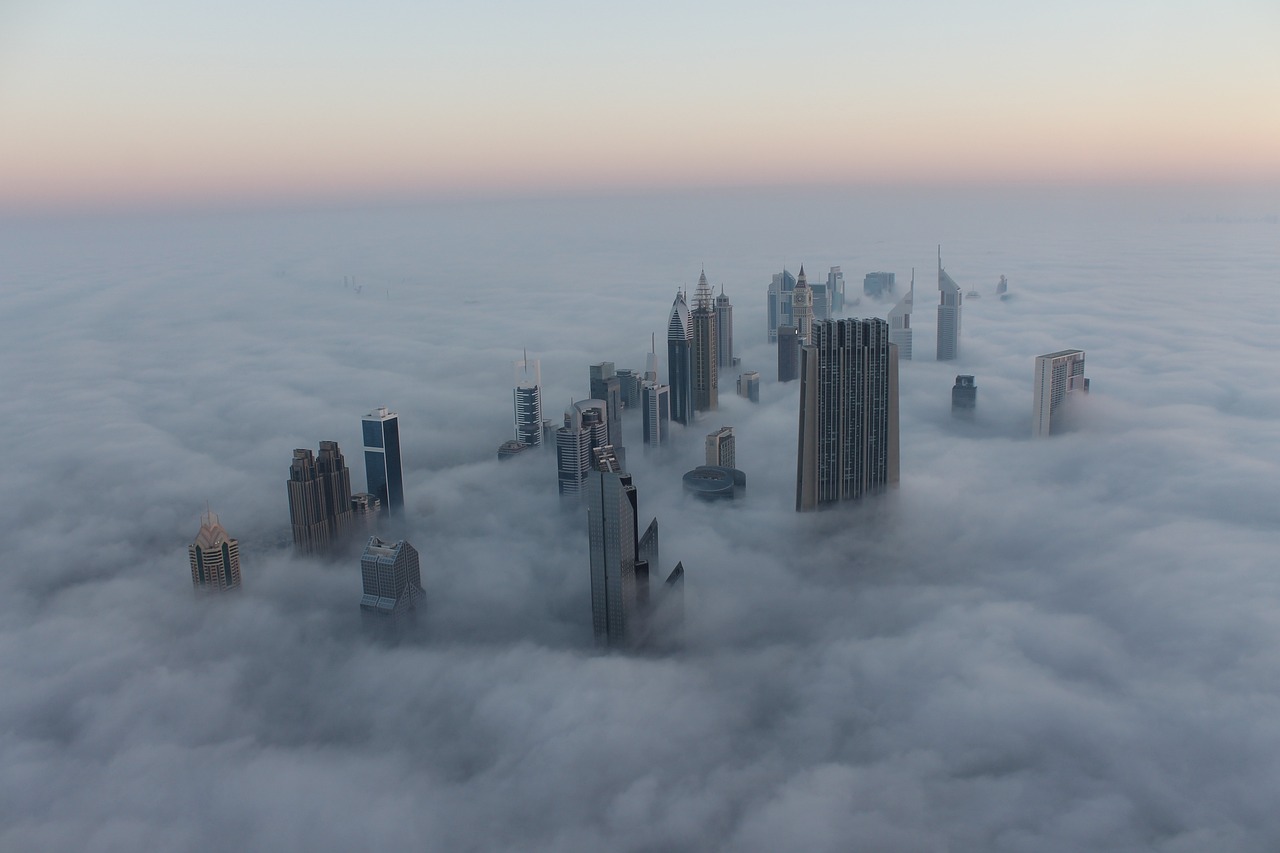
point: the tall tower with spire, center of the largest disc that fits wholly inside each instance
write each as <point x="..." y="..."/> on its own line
<point x="802" y="308"/>
<point x="900" y="321"/>
<point x="948" y="314"/>
<point x="706" y="350"/>
<point x="724" y="331"/>
<point x="528" y="402"/>
<point x="680" y="360"/>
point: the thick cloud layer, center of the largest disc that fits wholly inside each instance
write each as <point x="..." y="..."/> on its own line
<point x="1054" y="646"/>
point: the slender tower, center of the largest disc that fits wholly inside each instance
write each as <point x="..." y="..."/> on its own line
<point x="612" y="532"/>
<point x="900" y="321"/>
<point x="528" y="401"/>
<point x="724" y="331"/>
<point x="802" y="308"/>
<point x="948" y="314"/>
<point x="384" y="476"/>
<point x="680" y="360"/>
<point x="705" y="348"/>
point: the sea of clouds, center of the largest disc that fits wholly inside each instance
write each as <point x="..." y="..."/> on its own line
<point x="1060" y="645"/>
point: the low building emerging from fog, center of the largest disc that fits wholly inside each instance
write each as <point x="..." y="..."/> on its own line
<point x="715" y="482"/>
<point x="215" y="557"/>
<point x="392" y="582"/>
<point x="1058" y="375"/>
<point x="964" y="397"/>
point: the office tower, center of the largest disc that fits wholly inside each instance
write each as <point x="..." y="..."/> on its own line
<point x="964" y="397"/>
<point x="365" y="509"/>
<point x="215" y="557"/>
<point x="706" y="374"/>
<point x="528" y="402"/>
<point x="392" y="581"/>
<point x="720" y="448"/>
<point x="821" y="300"/>
<point x="584" y="430"/>
<point x="319" y="497"/>
<point x="877" y="284"/>
<point x="900" y="321"/>
<point x="835" y="290"/>
<point x="749" y="386"/>
<point x="802" y="308"/>
<point x="778" y="310"/>
<point x="612" y="529"/>
<point x="606" y="386"/>
<point x="655" y="402"/>
<point x="848" y="413"/>
<point x="680" y="361"/>
<point x="948" y="314"/>
<point x="788" y="353"/>
<point x="1002" y="289"/>
<point x="715" y="482"/>
<point x="724" y="331"/>
<point x="1058" y="375"/>
<point x="383" y="474"/>
<point x="629" y="382"/>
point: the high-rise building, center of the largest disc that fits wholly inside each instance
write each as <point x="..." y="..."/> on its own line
<point x="948" y="314"/>
<point x="646" y="561"/>
<point x="612" y="532"/>
<point x="749" y="386"/>
<point x="706" y="374"/>
<point x="528" y="402"/>
<point x="630" y="380"/>
<point x="724" y="331"/>
<point x="655" y="402"/>
<point x="835" y="290"/>
<point x="606" y="386"/>
<point x="215" y="557"/>
<point x="384" y="476"/>
<point x="365" y="509"/>
<point x="964" y="397"/>
<point x="721" y="448"/>
<point x="877" y="284"/>
<point x="802" y="308"/>
<point x="319" y="498"/>
<point x="1058" y="376"/>
<point x="821" y="300"/>
<point x="900" y="321"/>
<point x="391" y="579"/>
<point x="848" y="413"/>
<point x="584" y="430"/>
<point x="788" y="353"/>
<point x="1002" y="289"/>
<point x="680" y="361"/>
<point x="778" y="309"/>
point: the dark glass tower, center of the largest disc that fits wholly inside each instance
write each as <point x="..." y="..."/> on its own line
<point x="384" y="475"/>
<point x="706" y="350"/>
<point x="680" y="361"/>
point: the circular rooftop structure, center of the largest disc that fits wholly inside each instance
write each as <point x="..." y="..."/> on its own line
<point x="713" y="482"/>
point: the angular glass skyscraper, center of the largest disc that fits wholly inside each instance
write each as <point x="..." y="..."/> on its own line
<point x="706" y="349"/>
<point x="680" y="361"/>
<point x="848" y="413"/>
<point x="391" y="580"/>
<point x="948" y="314"/>
<point x="383" y="473"/>
<point x="612" y="531"/>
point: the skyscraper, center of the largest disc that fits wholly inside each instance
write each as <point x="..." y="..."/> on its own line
<point x="215" y="557"/>
<point x="1058" y="375"/>
<point x="802" y="308"/>
<point x="384" y="477"/>
<point x="680" y="361"/>
<point x="630" y="381"/>
<point x="606" y="386"/>
<point x="655" y="402"/>
<point x="319" y="498"/>
<point x="900" y="321"/>
<point x="724" y="331"/>
<point x="706" y="350"/>
<point x="721" y="448"/>
<point x="964" y="397"/>
<point x="612" y="532"/>
<point x="778" y="309"/>
<point x="528" y="402"/>
<point x="749" y="386"/>
<point x="391" y="579"/>
<point x="877" y="284"/>
<point x="835" y="290"/>
<point x="948" y="314"/>
<point x="584" y="430"/>
<point x="788" y="353"/>
<point x="848" y="442"/>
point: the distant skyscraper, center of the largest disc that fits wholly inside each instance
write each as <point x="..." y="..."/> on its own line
<point x="821" y="300"/>
<point x="391" y="579"/>
<point x="900" y="321"/>
<point x="788" y="353"/>
<point x="724" y="332"/>
<point x="528" y="402"/>
<point x="584" y="430"/>
<point x="802" y="308"/>
<point x="835" y="290"/>
<point x="749" y="386"/>
<point x="215" y="557"/>
<point x="778" y="309"/>
<point x="877" y="284"/>
<point x="1058" y="375"/>
<point x="606" y="386"/>
<point x="680" y="361"/>
<point x="848" y="413"/>
<point x="964" y="397"/>
<point x="706" y="349"/>
<point x="612" y="532"/>
<point x="948" y="314"/>
<point x="1002" y="289"/>
<point x="630" y="381"/>
<point x="365" y="509"/>
<point x="384" y="476"/>
<point x="721" y="448"/>
<point x="655" y="403"/>
<point x="319" y="497"/>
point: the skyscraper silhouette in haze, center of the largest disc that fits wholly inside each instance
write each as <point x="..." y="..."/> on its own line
<point x="384" y="475"/>
<point x="680" y="360"/>
<point x="948" y="314"/>
<point x="706" y="350"/>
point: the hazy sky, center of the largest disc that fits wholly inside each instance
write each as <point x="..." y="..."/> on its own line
<point x="146" y="99"/>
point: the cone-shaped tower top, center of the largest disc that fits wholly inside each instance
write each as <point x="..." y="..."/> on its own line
<point x="212" y="532"/>
<point x="801" y="281"/>
<point x="678" y="327"/>
<point x="945" y="282"/>
<point x="703" y="297"/>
